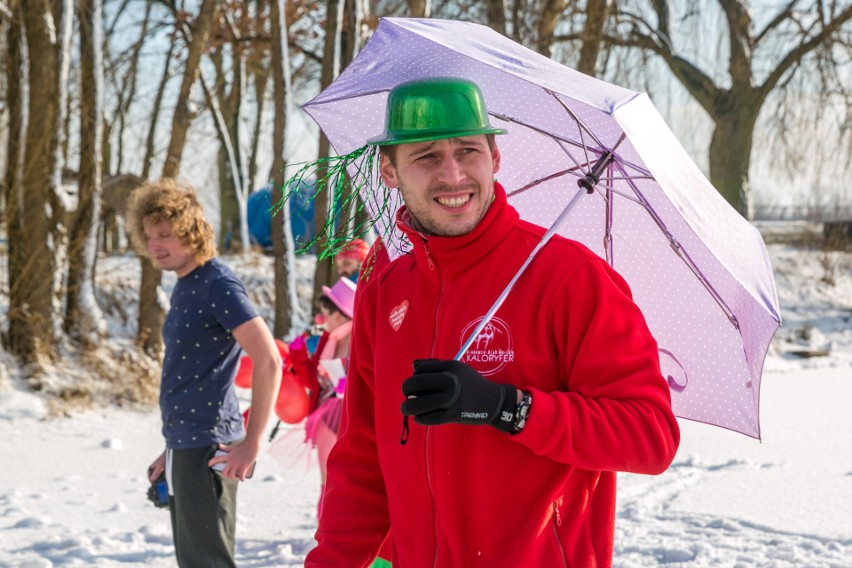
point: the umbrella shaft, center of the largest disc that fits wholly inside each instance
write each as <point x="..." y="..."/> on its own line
<point x="503" y="295"/>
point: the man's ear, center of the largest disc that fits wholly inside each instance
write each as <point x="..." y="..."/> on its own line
<point x="495" y="158"/>
<point x="387" y="171"/>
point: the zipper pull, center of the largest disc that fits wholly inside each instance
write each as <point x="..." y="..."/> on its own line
<point x="404" y="437"/>
<point x="428" y="253"/>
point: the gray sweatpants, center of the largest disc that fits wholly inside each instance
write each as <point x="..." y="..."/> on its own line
<point x="203" y="507"/>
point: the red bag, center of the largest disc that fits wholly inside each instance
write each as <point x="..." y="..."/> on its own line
<point x="293" y="402"/>
<point x="304" y="367"/>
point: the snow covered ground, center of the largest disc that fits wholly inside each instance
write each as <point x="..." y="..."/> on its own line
<point x="72" y="491"/>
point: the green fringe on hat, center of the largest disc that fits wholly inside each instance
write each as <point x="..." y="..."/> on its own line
<point x="348" y="179"/>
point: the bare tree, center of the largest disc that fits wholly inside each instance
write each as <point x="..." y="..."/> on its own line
<point x="198" y="39"/>
<point x="168" y="73"/>
<point x="233" y="192"/>
<point x="758" y="63"/>
<point x="342" y="35"/>
<point x="495" y="11"/>
<point x="151" y="311"/>
<point x="597" y="12"/>
<point x="125" y="88"/>
<point x="330" y="70"/>
<point x="32" y="318"/>
<point x="259" y="71"/>
<point x="13" y="186"/>
<point x="283" y="246"/>
<point x="83" y="317"/>
<point x="420" y="8"/>
<point x="551" y="10"/>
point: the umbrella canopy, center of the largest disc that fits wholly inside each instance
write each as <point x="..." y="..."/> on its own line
<point x="697" y="269"/>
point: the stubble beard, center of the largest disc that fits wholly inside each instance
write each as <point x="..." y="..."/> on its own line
<point x="429" y="226"/>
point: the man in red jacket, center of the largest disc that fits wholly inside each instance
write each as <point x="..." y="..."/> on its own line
<point x="509" y="456"/>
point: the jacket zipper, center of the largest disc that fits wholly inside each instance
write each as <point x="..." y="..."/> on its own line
<point x="403" y="438"/>
<point x="432" y="353"/>
<point x="405" y="431"/>
<point x="557" y="522"/>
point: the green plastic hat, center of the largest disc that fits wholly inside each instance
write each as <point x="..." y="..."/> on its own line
<point x="432" y="109"/>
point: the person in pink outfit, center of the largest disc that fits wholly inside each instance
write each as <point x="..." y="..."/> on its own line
<point x="336" y="305"/>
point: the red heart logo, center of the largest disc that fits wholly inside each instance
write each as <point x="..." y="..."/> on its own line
<point x="398" y="314"/>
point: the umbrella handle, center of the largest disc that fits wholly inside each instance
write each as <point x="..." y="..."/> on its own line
<point x="502" y="297"/>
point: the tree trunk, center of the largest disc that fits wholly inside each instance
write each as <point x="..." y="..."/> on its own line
<point x="330" y="67"/>
<point x="13" y="189"/>
<point x="155" y="113"/>
<point x="517" y="19"/>
<point x="495" y="11"/>
<point x="234" y="236"/>
<point x="597" y="11"/>
<point x="83" y="318"/>
<point x="125" y="98"/>
<point x="151" y="311"/>
<point x="64" y="12"/>
<point x="418" y="9"/>
<point x="66" y="128"/>
<point x="261" y="79"/>
<point x="730" y="154"/>
<point x="182" y="116"/>
<point x="32" y="316"/>
<point x="282" y="237"/>
<point x="229" y="208"/>
<point x="550" y="12"/>
<point x="106" y="147"/>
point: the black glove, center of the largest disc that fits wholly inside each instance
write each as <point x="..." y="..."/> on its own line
<point x="440" y="392"/>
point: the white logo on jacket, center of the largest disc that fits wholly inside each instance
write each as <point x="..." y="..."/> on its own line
<point x="492" y="349"/>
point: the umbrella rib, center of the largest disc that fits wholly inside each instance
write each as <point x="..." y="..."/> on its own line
<point x="315" y="102"/>
<point x="641" y="172"/>
<point x="559" y="139"/>
<point x="539" y="181"/>
<point x="580" y="124"/>
<point x="505" y="293"/>
<point x="618" y="192"/>
<point x="682" y="253"/>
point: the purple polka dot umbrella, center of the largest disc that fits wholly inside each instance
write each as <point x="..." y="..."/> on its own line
<point x="698" y="270"/>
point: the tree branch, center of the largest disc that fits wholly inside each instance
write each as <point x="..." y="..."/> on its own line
<point x="697" y="82"/>
<point x="4" y="10"/>
<point x="799" y="52"/>
<point x="776" y="21"/>
<point x="661" y="8"/>
<point x="739" y="40"/>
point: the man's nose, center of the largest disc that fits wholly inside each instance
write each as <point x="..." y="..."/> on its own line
<point x="451" y="171"/>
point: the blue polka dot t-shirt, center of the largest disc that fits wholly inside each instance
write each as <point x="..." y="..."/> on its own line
<point x="197" y="399"/>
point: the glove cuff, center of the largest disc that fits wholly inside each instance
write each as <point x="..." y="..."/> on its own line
<point x="505" y="419"/>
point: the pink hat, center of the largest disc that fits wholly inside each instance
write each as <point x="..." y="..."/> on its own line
<point x="356" y="248"/>
<point x="342" y="294"/>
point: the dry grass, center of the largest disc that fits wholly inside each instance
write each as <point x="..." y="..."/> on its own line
<point x="107" y="375"/>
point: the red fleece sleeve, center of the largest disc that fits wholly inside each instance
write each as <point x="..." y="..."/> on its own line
<point x="615" y="414"/>
<point x="354" y="520"/>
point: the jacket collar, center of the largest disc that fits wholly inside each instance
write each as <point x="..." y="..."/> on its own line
<point x="455" y="254"/>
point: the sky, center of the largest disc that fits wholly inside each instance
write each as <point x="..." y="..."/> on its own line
<point x="808" y="176"/>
